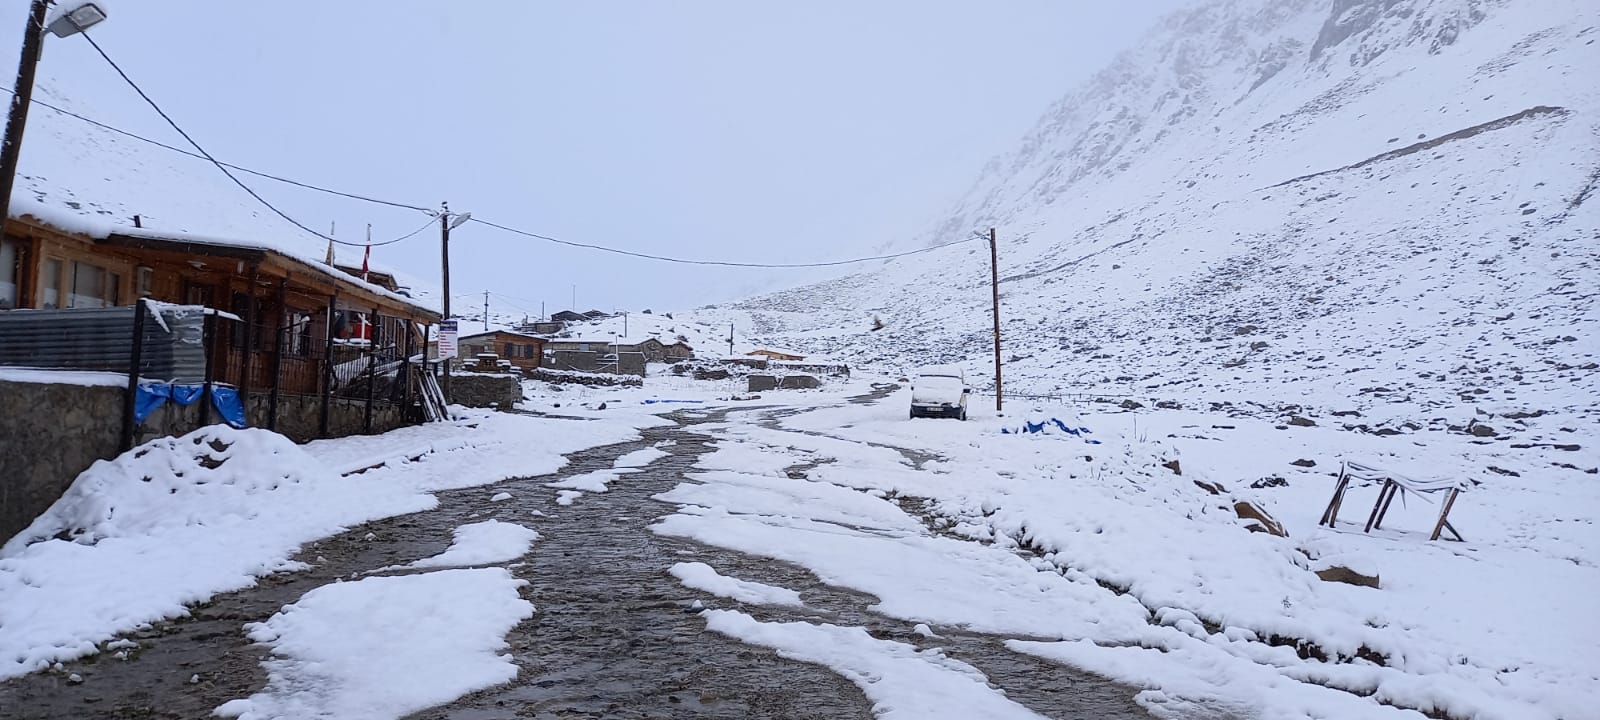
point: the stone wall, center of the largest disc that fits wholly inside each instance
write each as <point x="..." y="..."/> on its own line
<point x="763" y="383"/>
<point x="629" y="363"/>
<point x="49" y="433"/>
<point x="481" y="390"/>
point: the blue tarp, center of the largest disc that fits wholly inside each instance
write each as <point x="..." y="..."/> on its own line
<point x="229" y="406"/>
<point x="653" y="401"/>
<point x="152" y="395"/>
<point x="1050" y="426"/>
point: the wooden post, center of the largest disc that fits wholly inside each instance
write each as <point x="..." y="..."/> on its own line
<point x="327" y="369"/>
<point x="1377" y="507"/>
<point x="444" y="265"/>
<point x="405" y="370"/>
<point x="277" y="353"/>
<point x="1444" y="516"/>
<point x="21" y="96"/>
<point x="372" y="363"/>
<point x="247" y="355"/>
<point x="213" y="345"/>
<point x="994" y="284"/>
<point x="1330" y="515"/>
<point x="135" y="359"/>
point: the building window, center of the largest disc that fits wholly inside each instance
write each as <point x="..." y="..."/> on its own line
<point x="298" y="332"/>
<point x="10" y="272"/>
<point x="88" y="286"/>
<point x="51" y="284"/>
<point x="144" y="280"/>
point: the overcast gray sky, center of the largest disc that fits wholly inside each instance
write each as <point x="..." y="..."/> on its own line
<point x="726" y="129"/>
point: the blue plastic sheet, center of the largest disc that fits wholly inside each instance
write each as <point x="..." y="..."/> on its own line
<point x="1051" y="426"/>
<point x="153" y="395"/>
<point x="229" y="406"/>
<point x="691" y="402"/>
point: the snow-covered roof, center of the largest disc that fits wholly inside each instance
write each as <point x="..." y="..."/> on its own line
<point x="90" y="181"/>
<point x="502" y="331"/>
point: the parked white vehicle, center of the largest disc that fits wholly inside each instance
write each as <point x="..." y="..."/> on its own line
<point x="940" y="391"/>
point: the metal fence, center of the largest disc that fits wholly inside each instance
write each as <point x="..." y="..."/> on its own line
<point x="172" y="340"/>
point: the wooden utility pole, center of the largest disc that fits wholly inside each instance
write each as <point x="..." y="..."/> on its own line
<point x="486" y="311"/>
<point x="730" y="339"/>
<point x="994" y="283"/>
<point x="444" y="265"/>
<point x="22" y="95"/>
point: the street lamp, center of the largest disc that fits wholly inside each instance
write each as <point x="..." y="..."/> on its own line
<point x="70" y="17"/>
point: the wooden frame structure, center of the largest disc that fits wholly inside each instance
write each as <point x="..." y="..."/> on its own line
<point x="296" y="316"/>
<point x="1392" y="484"/>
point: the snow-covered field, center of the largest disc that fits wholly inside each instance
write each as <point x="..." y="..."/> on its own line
<point x="1099" y="556"/>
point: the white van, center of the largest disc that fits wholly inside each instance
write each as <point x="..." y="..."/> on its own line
<point x="940" y="391"/>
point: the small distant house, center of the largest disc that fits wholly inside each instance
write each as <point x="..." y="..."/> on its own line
<point x="779" y="355"/>
<point x="566" y="316"/>
<point x="522" y="350"/>
<point x="543" y="328"/>
<point x="676" y="352"/>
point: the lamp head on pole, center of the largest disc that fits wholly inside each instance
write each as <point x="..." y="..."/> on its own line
<point x="460" y="219"/>
<point x="74" y="16"/>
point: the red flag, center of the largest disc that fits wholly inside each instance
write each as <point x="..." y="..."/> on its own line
<point x="366" y="256"/>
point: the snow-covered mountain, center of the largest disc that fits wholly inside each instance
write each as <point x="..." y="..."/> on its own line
<point x="1337" y="204"/>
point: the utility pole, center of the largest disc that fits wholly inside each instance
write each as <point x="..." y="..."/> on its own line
<point x="17" y="120"/>
<point x="444" y="264"/>
<point x="730" y="339"/>
<point x="994" y="283"/>
<point x="486" y="311"/>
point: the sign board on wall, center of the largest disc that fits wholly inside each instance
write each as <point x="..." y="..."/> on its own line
<point x="447" y="339"/>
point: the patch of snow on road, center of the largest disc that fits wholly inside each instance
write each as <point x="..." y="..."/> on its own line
<point x="385" y="647"/>
<point x="902" y="682"/>
<point x="596" y="482"/>
<point x="566" y="497"/>
<point x="500" y="497"/>
<point x="640" y="458"/>
<point x="483" y="543"/>
<point x="701" y="576"/>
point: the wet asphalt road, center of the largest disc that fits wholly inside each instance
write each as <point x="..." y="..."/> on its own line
<point x="614" y="635"/>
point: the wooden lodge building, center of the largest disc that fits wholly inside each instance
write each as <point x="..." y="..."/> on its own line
<point x="523" y="351"/>
<point x="303" y="328"/>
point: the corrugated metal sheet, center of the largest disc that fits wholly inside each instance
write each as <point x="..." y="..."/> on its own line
<point x="102" y="339"/>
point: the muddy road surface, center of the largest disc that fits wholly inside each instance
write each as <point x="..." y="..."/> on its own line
<point x="614" y="635"/>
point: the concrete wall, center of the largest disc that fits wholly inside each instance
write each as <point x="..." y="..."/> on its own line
<point x="50" y="433"/>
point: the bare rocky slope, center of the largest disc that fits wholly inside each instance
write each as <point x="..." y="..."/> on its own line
<point x="1355" y="204"/>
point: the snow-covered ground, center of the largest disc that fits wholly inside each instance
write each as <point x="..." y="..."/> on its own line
<point x="179" y="520"/>
<point x="1098" y="555"/>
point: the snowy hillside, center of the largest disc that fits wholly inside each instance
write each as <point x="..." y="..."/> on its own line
<point x="1340" y="206"/>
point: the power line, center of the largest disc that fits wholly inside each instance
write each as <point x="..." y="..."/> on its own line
<point x="722" y="263"/>
<point x="208" y="155"/>
<point x="225" y="168"/>
<point x="406" y="236"/>
<point x="257" y="173"/>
